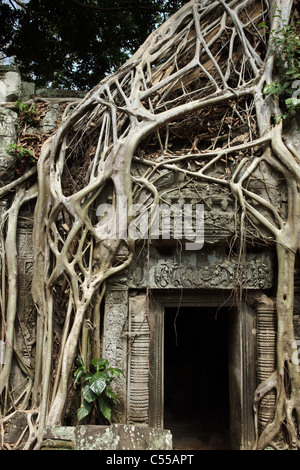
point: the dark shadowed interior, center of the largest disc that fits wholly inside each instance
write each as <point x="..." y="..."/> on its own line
<point x="196" y="395"/>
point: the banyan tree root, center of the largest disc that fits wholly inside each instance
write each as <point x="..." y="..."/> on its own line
<point x="188" y="102"/>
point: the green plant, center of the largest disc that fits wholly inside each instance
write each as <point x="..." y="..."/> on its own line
<point x="27" y="113"/>
<point x="20" y="152"/>
<point x="95" y="381"/>
<point x="287" y="63"/>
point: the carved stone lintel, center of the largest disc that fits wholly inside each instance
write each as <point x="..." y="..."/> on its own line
<point x="220" y="275"/>
<point x="204" y="270"/>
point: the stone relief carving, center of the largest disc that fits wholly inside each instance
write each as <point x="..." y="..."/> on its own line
<point x="203" y="270"/>
<point x="115" y="343"/>
<point x="266" y="348"/>
<point x="257" y="274"/>
<point x="138" y="370"/>
<point x="26" y="311"/>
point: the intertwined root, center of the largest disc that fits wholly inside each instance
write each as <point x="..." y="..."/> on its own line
<point x="189" y="101"/>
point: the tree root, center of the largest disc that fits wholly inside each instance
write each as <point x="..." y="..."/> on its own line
<point x="186" y="79"/>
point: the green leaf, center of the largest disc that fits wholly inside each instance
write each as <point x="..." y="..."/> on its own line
<point x="86" y="376"/>
<point x="99" y="363"/>
<point x="286" y="85"/>
<point x="80" y="361"/>
<point x="82" y="374"/>
<point x="77" y="374"/>
<point x="272" y="88"/>
<point x="104" y="407"/>
<point x="292" y="102"/>
<point x="98" y="383"/>
<point x="88" y="394"/>
<point x="278" y="118"/>
<point x="114" y="371"/>
<point x="84" y="410"/>
<point x="110" y="394"/>
<point x="10" y="147"/>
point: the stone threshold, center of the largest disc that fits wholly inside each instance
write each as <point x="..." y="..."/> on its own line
<point x="113" y="437"/>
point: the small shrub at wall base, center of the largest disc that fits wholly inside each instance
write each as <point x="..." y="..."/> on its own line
<point x="20" y="152"/>
<point x="27" y="113"/>
<point x="95" y="381"/>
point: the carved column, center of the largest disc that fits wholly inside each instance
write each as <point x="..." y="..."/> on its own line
<point x="26" y="310"/>
<point x="138" y="373"/>
<point x="266" y="356"/>
<point x="115" y="342"/>
<point x="25" y="323"/>
<point x="297" y="310"/>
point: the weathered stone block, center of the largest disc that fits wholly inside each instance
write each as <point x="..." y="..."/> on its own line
<point x="114" y="437"/>
<point x="59" y="438"/>
<point x="28" y="90"/>
<point x="51" y="117"/>
<point x="10" y="86"/>
<point x="58" y="93"/>
<point x="15" y="427"/>
<point x="142" y="438"/>
<point x="8" y="136"/>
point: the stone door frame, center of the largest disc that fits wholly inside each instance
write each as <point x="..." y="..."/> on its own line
<point x="241" y="361"/>
<point x="133" y="341"/>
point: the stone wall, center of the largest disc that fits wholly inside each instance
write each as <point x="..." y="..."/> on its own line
<point x="14" y="90"/>
<point x="126" y="326"/>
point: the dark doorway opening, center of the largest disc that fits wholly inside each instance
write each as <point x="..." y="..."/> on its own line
<point x="196" y="389"/>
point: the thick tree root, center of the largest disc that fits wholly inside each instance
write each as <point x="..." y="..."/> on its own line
<point x="189" y="102"/>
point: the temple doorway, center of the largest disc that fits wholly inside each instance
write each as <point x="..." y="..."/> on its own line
<point x="196" y="377"/>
